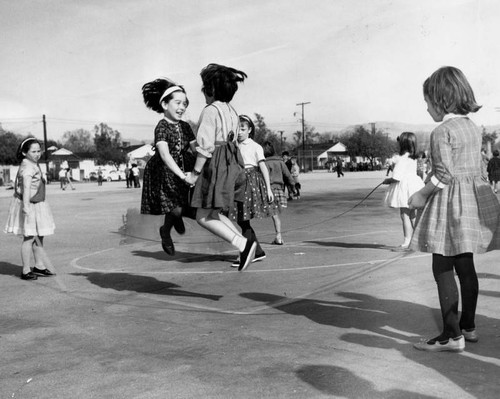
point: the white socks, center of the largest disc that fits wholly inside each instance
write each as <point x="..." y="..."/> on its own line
<point x="239" y="242"/>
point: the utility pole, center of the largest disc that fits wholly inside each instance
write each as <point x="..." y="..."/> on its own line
<point x="303" y="134"/>
<point x="281" y="140"/>
<point x="45" y="141"/>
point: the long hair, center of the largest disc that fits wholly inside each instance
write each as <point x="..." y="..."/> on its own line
<point x="25" y="146"/>
<point x="221" y="82"/>
<point x="153" y="91"/>
<point x="251" y="126"/>
<point x="408" y="144"/>
<point x="449" y="91"/>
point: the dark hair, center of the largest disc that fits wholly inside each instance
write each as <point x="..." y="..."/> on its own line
<point x="422" y="154"/>
<point x="268" y="149"/>
<point x="25" y="146"/>
<point x="221" y="82"/>
<point x="448" y="91"/>
<point x="408" y="143"/>
<point x="248" y="121"/>
<point x="153" y="91"/>
<point x="496" y="153"/>
<point x="285" y="153"/>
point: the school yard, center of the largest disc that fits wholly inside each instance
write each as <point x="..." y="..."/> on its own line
<point x="331" y="314"/>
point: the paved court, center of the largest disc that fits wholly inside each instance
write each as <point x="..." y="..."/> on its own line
<point x="331" y="314"/>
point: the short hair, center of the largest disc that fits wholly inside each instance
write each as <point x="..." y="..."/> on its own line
<point x="268" y="149"/>
<point x="25" y="146"/>
<point x="153" y="91"/>
<point x="448" y="90"/>
<point x="285" y="153"/>
<point x="496" y="153"/>
<point x="248" y="121"/>
<point x="408" y="143"/>
<point x="221" y="82"/>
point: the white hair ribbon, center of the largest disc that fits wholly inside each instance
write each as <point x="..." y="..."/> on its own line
<point x="169" y="91"/>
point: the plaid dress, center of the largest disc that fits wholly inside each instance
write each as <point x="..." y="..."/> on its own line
<point x="464" y="216"/>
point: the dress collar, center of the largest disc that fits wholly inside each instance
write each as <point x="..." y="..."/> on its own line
<point x="451" y="116"/>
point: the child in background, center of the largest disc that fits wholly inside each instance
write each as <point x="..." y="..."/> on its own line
<point x="493" y="170"/>
<point x="422" y="165"/>
<point x="218" y="168"/>
<point x="258" y="192"/>
<point x="403" y="184"/>
<point x="461" y="214"/>
<point x="280" y="178"/>
<point x="164" y="190"/>
<point x="29" y="214"/>
<point x="295" y="172"/>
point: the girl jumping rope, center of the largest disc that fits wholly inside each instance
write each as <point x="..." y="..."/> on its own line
<point x="257" y="192"/>
<point x="29" y="214"/>
<point x="460" y="213"/>
<point x="403" y="184"/>
<point x="164" y="191"/>
<point x="218" y="175"/>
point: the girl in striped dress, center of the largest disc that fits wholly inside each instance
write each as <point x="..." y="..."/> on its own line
<point x="460" y="213"/>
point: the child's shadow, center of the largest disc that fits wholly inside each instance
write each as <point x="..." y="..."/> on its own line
<point x="391" y="320"/>
<point x="142" y="284"/>
<point x="10" y="269"/>
<point x="185" y="257"/>
<point x="340" y="382"/>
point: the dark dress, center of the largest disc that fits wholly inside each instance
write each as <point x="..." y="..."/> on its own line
<point x="162" y="190"/>
<point x="494" y="169"/>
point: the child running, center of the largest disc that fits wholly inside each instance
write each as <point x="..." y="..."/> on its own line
<point x="280" y="178"/>
<point x="295" y="171"/>
<point x="218" y="174"/>
<point x="461" y="214"/>
<point x="403" y="184"/>
<point x="29" y="214"/>
<point x="258" y="193"/>
<point x="164" y="190"/>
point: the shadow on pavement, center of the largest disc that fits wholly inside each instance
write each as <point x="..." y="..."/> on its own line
<point x="348" y="244"/>
<point x="338" y="381"/>
<point x="142" y="284"/>
<point x="10" y="269"/>
<point x="391" y="320"/>
<point x="185" y="257"/>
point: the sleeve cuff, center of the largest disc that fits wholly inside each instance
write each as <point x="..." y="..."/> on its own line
<point x="203" y="152"/>
<point x="436" y="182"/>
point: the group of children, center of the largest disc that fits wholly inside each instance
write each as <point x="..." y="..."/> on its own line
<point x="221" y="173"/>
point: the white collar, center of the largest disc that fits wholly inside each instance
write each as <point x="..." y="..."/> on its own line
<point x="451" y="116"/>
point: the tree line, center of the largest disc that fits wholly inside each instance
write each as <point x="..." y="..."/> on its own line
<point x="105" y="144"/>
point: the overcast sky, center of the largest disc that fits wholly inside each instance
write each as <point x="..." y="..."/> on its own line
<point x="356" y="61"/>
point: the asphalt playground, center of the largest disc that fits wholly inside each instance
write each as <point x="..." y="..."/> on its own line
<point x="332" y="313"/>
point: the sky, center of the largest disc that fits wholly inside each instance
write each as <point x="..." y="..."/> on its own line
<point x="82" y="62"/>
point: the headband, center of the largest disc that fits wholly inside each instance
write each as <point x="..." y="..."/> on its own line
<point x="26" y="140"/>
<point x="246" y="118"/>
<point x="169" y="91"/>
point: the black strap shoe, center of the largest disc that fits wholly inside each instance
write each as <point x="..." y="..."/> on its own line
<point x="28" y="276"/>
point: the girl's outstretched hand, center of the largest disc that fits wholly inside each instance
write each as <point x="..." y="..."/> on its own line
<point x="416" y="201"/>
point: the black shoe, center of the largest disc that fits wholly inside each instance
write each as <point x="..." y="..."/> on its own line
<point x="28" y="276"/>
<point x="166" y="242"/>
<point x="43" y="272"/>
<point x="248" y="254"/>
<point x="179" y="225"/>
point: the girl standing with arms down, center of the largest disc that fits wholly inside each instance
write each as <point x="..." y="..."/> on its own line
<point x="280" y="178"/>
<point x="164" y="190"/>
<point x="257" y="190"/>
<point x="460" y="213"/>
<point x="403" y="184"/>
<point x="218" y="173"/>
<point x="29" y="214"/>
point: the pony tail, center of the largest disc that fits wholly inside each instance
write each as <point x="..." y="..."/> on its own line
<point x="152" y="92"/>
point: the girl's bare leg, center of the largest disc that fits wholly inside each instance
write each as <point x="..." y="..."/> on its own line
<point x="407" y="225"/>
<point x="26" y="250"/>
<point x="38" y="253"/>
<point x="210" y="219"/>
<point x="277" y="227"/>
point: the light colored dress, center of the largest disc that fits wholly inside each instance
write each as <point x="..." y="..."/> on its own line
<point x="463" y="216"/>
<point x="39" y="221"/>
<point x="405" y="171"/>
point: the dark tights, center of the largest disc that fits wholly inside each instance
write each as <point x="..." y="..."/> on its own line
<point x="443" y="268"/>
<point x="248" y="233"/>
<point x="171" y="218"/>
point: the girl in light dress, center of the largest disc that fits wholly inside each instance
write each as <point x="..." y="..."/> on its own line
<point x="29" y="213"/>
<point x="403" y="184"/>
